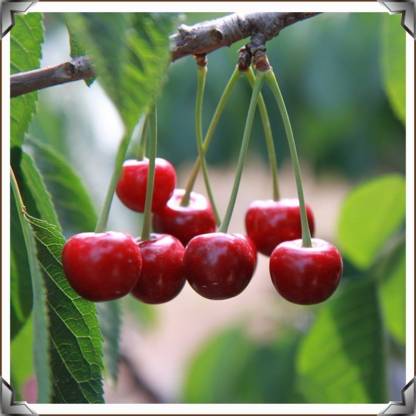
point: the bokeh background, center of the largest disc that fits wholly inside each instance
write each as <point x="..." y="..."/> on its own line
<point x="331" y="70"/>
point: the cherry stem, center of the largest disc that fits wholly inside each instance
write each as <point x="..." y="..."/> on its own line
<point x="243" y="151"/>
<point x="142" y="137"/>
<point x="201" y="79"/>
<point x="210" y="134"/>
<point x="147" y="215"/>
<point x="105" y="210"/>
<point x="268" y="135"/>
<point x="274" y="86"/>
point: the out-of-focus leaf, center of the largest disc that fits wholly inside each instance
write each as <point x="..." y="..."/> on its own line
<point x="370" y="214"/>
<point x="130" y="52"/>
<point x="21" y="358"/>
<point x="341" y="359"/>
<point x="392" y="289"/>
<point x="77" y="214"/>
<point x="393" y="63"/>
<point x="230" y="368"/>
<point x="72" y="202"/>
<point x="145" y="314"/>
<point x="74" y="336"/>
<point x="32" y="274"/>
<point x="77" y="47"/>
<point x="25" y="52"/>
<point x="109" y="315"/>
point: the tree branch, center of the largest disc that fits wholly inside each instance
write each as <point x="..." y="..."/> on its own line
<point x="199" y="39"/>
<point x="77" y="69"/>
<point x="206" y="37"/>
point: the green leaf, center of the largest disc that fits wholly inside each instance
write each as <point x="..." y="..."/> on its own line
<point x="74" y="336"/>
<point x="231" y="368"/>
<point x="21" y="359"/>
<point x="392" y="290"/>
<point x="370" y="214"/>
<point x="341" y="359"/>
<point x="130" y="52"/>
<point x="25" y="53"/>
<point x="393" y="62"/>
<point x="144" y="313"/>
<point x="71" y="199"/>
<point x="109" y="315"/>
<point x="20" y="274"/>
<point x="31" y="271"/>
<point x="77" y="214"/>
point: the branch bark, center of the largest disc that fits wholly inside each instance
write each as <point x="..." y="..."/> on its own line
<point x="199" y="39"/>
<point x="206" y="37"/>
<point x="25" y="82"/>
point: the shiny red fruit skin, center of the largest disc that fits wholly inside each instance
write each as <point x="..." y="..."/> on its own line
<point x="219" y="265"/>
<point x="132" y="185"/>
<point x="306" y="275"/>
<point x="187" y="222"/>
<point x="269" y="223"/>
<point x="101" y="266"/>
<point x="162" y="276"/>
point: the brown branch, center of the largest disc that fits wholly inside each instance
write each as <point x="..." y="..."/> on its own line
<point x="77" y="69"/>
<point x="199" y="39"/>
<point x="205" y="37"/>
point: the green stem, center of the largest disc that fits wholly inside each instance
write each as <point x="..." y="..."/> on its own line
<point x="243" y="151"/>
<point x="268" y="135"/>
<point x="201" y="78"/>
<point x="147" y="216"/>
<point x="274" y="86"/>
<point x="210" y="134"/>
<point x="142" y="139"/>
<point x="105" y="210"/>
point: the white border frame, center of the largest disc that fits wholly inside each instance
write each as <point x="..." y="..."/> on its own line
<point x="119" y="6"/>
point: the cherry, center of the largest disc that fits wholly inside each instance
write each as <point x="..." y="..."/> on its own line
<point x="269" y="223"/>
<point x="305" y="275"/>
<point x="162" y="276"/>
<point x="102" y="266"/>
<point x="219" y="265"/>
<point x="185" y="222"/>
<point x="131" y="187"/>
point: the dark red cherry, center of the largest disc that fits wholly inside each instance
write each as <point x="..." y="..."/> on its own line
<point x="101" y="266"/>
<point x="269" y="223"/>
<point x="162" y="276"/>
<point x="219" y="265"/>
<point x="186" y="222"/>
<point x="305" y="275"/>
<point x="132" y="185"/>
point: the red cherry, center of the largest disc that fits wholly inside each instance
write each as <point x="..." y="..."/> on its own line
<point x="162" y="276"/>
<point x="132" y="185"/>
<point x="305" y="275"/>
<point x="102" y="266"/>
<point x="185" y="222"/>
<point x="269" y="223"/>
<point x="219" y="265"/>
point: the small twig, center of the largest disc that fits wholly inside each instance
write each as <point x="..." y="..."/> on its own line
<point x="141" y="384"/>
<point x="77" y="69"/>
<point x="205" y="37"/>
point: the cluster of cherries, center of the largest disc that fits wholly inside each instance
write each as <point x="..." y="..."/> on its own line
<point x="186" y="246"/>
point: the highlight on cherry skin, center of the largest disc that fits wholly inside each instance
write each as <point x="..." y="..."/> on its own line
<point x="218" y="265"/>
<point x="269" y="223"/>
<point x="102" y="266"/>
<point x="162" y="276"/>
<point x="185" y="222"/>
<point x="132" y="185"/>
<point x="306" y="275"/>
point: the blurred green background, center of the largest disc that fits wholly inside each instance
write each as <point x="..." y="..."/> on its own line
<point x="342" y="76"/>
